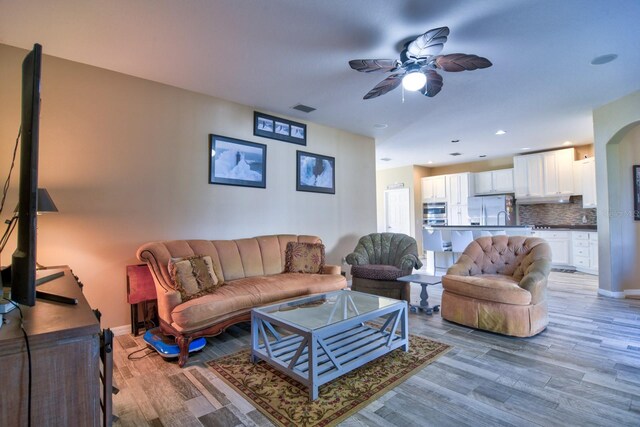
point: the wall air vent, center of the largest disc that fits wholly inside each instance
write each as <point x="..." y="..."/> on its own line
<point x="455" y="154"/>
<point x="303" y="108"/>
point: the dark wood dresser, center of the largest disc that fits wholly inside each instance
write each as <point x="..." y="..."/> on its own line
<point x="65" y="360"/>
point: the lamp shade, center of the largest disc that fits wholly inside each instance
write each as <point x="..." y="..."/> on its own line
<point x="45" y="203"/>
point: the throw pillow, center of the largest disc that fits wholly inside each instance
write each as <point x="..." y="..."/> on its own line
<point x="304" y="257"/>
<point x="194" y="276"/>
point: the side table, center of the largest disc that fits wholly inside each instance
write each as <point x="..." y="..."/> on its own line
<point x="424" y="281"/>
<point x="140" y="290"/>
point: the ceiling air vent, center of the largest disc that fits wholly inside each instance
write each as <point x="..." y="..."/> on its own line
<point x="455" y="154"/>
<point x="303" y="108"/>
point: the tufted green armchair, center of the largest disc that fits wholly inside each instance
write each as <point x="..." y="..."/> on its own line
<point x="379" y="259"/>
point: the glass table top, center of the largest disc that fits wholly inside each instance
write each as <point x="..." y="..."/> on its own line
<point x="322" y="310"/>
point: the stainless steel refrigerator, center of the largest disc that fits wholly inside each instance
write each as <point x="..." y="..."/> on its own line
<point x="492" y="210"/>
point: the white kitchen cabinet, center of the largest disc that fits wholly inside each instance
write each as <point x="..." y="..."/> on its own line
<point x="528" y="176"/>
<point x="458" y="186"/>
<point x="560" y="243"/>
<point x="493" y="182"/>
<point x="458" y="191"/>
<point x="587" y="175"/>
<point x="584" y="254"/>
<point x="434" y="189"/>
<point x="558" y="172"/>
<point x="544" y="174"/>
<point x="458" y="215"/>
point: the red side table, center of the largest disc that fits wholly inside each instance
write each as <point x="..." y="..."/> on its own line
<point x="140" y="290"/>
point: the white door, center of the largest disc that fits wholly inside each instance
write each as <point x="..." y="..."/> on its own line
<point x="397" y="211"/>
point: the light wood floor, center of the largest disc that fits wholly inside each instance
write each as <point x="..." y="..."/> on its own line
<point x="583" y="370"/>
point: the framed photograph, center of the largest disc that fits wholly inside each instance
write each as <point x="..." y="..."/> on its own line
<point x="281" y="129"/>
<point x="315" y="173"/>
<point x="636" y="192"/>
<point x="237" y="162"/>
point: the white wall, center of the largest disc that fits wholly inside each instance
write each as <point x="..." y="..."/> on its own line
<point x="126" y="161"/>
<point x="616" y="141"/>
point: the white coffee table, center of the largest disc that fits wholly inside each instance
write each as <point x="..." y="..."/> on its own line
<point x="325" y="336"/>
<point x="424" y="281"/>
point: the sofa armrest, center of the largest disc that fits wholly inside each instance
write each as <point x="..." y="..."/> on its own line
<point x="331" y="269"/>
<point x="535" y="281"/>
<point x="462" y="267"/>
<point x="408" y="262"/>
<point x="167" y="301"/>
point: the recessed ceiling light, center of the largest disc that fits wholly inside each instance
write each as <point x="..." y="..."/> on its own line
<point x="525" y="148"/>
<point x="429" y="162"/>
<point x="482" y="155"/>
<point x="603" y="59"/>
<point x="567" y="143"/>
<point x="500" y="132"/>
<point x="380" y="125"/>
<point x="385" y="159"/>
<point x="455" y="141"/>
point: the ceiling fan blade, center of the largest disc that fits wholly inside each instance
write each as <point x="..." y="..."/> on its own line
<point x="371" y="65"/>
<point x="428" y="44"/>
<point x="434" y="84"/>
<point x="388" y="84"/>
<point x="461" y="62"/>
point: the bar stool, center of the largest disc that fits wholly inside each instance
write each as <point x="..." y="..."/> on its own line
<point x="432" y="241"/>
<point x="460" y="240"/>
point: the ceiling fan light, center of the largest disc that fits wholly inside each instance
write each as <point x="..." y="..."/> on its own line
<point x="414" y="81"/>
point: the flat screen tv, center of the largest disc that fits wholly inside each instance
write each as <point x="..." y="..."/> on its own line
<point x="23" y="261"/>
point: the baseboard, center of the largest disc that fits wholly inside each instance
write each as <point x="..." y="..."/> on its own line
<point x="121" y="330"/>
<point x="610" y="294"/>
<point x="632" y="293"/>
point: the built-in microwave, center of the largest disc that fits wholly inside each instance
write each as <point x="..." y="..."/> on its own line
<point x="434" y="213"/>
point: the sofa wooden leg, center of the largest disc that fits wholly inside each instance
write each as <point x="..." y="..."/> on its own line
<point x="183" y="344"/>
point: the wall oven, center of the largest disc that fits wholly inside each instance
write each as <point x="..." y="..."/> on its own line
<point x="434" y="213"/>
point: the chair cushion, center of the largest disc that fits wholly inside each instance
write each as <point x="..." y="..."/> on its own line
<point x="489" y="287"/>
<point x="241" y="295"/>
<point x="377" y="272"/>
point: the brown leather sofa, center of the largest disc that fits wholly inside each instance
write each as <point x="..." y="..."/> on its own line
<point x="499" y="284"/>
<point x="254" y="275"/>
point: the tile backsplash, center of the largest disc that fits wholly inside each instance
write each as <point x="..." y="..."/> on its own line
<point x="557" y="213"/>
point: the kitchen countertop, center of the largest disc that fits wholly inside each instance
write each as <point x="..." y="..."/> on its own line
<point x="479" y="227"/>
<point x="567" y="227"/>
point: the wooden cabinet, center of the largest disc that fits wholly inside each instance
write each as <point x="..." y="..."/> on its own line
<point x="434" y="189"/>
<point x="493" y="182"/>
<point x="584" y="254"/>
<point x="528" y="176"/>
<point x="64" y="342"/>
<point x="459" y="188"/>
<point x="560" y="243"/>
<point x="545" y="174"/>
<point x="587" y="176"/>
<point x="558" y="172"/>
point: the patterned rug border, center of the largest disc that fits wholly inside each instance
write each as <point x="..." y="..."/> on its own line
<point x="391" y="383"/>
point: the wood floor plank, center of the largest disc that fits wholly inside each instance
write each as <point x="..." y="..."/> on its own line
<point x="584" y="369"/>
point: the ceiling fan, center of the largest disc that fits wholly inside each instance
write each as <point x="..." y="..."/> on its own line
<point x="416" y="69"/>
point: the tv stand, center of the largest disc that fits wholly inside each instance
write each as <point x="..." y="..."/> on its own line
<point x="48" y="296"/>
<point x="65" y="355"/>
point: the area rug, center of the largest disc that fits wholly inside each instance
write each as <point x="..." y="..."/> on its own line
<point x="286" y="402"/>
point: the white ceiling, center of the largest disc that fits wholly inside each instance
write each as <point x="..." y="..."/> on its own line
<point x="274" y="54"/>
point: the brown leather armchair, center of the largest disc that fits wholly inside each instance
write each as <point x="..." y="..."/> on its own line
<point x="499" y="284"/>
<point x="379" y="259"/>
